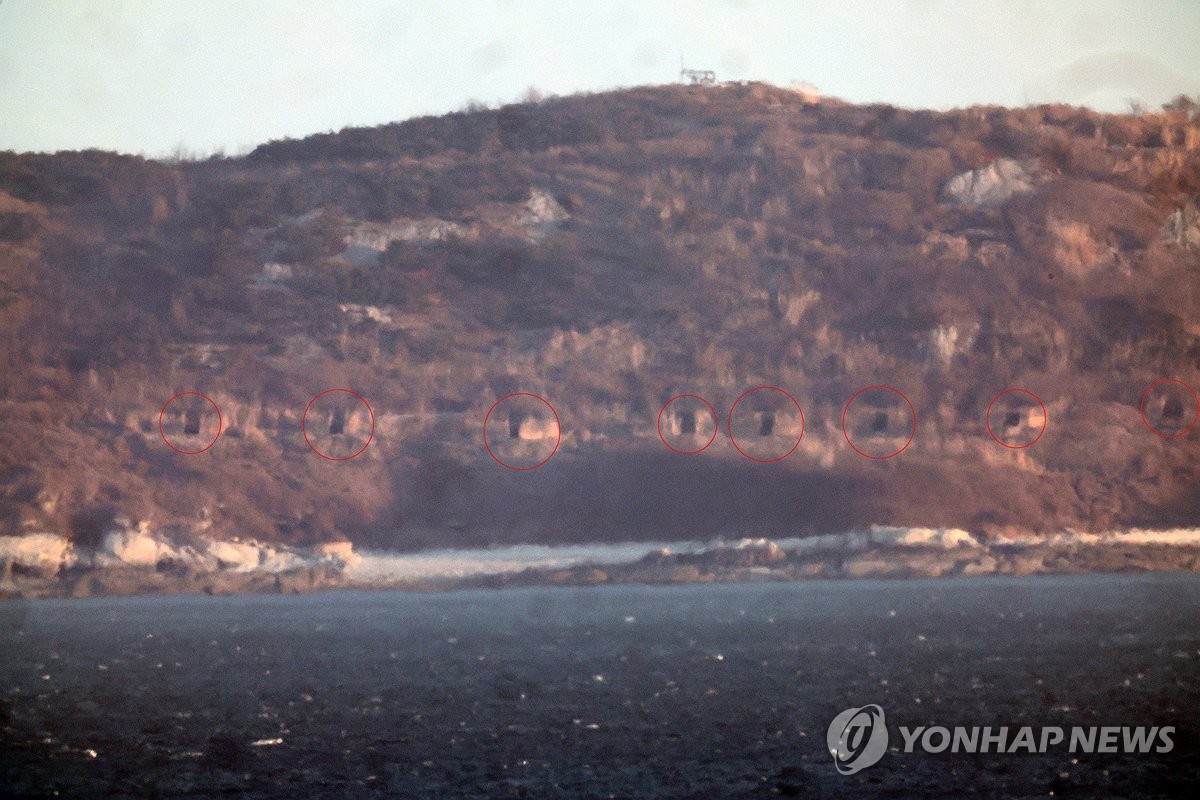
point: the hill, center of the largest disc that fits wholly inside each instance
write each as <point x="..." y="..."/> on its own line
<point x="608" y="253"/>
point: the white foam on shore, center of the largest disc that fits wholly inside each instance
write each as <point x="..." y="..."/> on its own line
<point x="375" y="566"/>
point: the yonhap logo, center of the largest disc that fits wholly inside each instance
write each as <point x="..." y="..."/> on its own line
<point x="857" y="738"/>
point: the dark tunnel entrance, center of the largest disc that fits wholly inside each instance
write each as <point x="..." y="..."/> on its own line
<point x="766" y="424"/>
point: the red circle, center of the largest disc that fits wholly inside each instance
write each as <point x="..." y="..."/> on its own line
<point x="729" y="425"/>
<point x="557" y="424"/>
<point x="716" y="425"/>
<point x="162" y="433"/>
<point x="988" y="421"/>
<point x="370" y="436"/>
<point x="1195" y="400"/>
<point x="910" y="436"/>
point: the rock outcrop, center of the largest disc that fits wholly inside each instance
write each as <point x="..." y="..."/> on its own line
<point x="40" y="552"/>
<point x="1182" y="228"/>
<point x="133" y="558"/>
<point x="543" y="215"/>
<point x="992" y="185"/>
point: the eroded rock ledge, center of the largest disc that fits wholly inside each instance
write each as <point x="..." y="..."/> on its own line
<point x="770" y="563"/>
<point x="132" y="559"/>
<point x="124" y="565"/>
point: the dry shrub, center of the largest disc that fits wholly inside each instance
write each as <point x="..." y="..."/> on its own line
<point x="1174" y="173"/>
<point x="1115" y="218"/>
<point x="1075" y="248"/>
<point x="925" y="173"/>
<point x="888" y="211"/>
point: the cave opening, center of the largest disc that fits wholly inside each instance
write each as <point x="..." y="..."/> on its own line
<point x="514" y="426"/>
<point x="1012" y="419"/>
<point x="1173" y="409"/>
<point x="191" y="422"/>
<point x="337" y="423"/>
<point x="687" y="422"/>
<point x="880" y="423"/>
<point x="766" y="424"/>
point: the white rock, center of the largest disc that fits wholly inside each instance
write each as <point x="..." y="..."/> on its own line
<point x="134" y="547"/>
<point x="945" y="341"/>
<point x="359" y="313"/>
<point x="337" y="551"/>
<point x="1183" y="226"/>
<point x="45" y="551"/>
<point x="377" y="236"/>
<point x="254" y="556"/>
<point x="543" y="214"/>
<point x="947" y="538"/>
<point x="238" y="556"/>
<point x="275" y="272"/>
<point x="993" y="185"/>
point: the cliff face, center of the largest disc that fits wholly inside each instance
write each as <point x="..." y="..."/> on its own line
<point x="609" y="253"/>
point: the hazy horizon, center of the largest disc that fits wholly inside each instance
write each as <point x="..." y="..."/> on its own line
<point x="154" y="78"/>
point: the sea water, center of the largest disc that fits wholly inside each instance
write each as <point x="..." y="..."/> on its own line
<point x="625" y="691"/>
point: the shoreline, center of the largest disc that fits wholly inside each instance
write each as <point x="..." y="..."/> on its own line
<point x="877" y="553"/>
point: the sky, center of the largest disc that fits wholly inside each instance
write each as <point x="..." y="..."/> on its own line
<point x="160" y="77"/>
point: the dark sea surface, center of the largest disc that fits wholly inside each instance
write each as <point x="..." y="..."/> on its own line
<point x="701" y="691"/>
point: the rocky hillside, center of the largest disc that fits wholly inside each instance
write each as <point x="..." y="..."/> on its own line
<point x="608" y="253"/>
